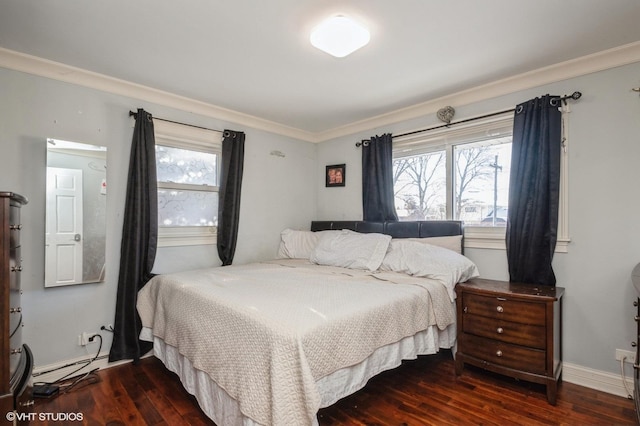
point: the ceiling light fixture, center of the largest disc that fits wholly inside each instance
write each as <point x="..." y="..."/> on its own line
<point x="339" y="36"/>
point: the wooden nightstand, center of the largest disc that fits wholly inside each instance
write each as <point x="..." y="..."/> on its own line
<point x="512" y="329"/>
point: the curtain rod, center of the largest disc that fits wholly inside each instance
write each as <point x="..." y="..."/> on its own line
<point x="135" y="115"/>
<point x="365" y="142"/>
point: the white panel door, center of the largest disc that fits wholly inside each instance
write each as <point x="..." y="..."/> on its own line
<point x="63" y="240"/>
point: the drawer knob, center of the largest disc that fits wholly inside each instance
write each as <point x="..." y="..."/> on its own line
<point x="500" y="309"/>
<point x="16" y="268"/>
<point x="634" y="344"/>
<point x="18" y="227"/>
<point x="16" y="351"/>
<point x="15" y="310"/>
<point x="499" y="352"/>
<point x="465" y="309"/>
<point x="635" y="303"/>
<point x="499" y="330"/>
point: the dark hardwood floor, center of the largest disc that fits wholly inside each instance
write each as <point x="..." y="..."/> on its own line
<point x="421" y="392"/>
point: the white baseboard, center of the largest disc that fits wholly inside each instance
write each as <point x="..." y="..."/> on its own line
<point x="52" y="372"/>
<point x="595" y="379"/>
<point x="571" y="373"/>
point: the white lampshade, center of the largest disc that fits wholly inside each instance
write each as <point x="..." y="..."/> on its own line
<point x="339" y="36"/>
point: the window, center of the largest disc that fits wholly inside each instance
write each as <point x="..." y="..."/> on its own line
<point x="462" y="173"/>
<point x="187" y="164"/>
<point x="481" y="181"/>
<point x="419" y="183"/>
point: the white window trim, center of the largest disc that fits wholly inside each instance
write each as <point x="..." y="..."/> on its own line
<point x="564" y="237"/>
<point x="494" y="238"/>
<point x="187" y="236"/>
<point x="483" y="237"/>
<point x="195" y="139"/>
<point x="188" y="187"/>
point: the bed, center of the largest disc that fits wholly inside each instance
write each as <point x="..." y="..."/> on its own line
<point x="270" y="343"/>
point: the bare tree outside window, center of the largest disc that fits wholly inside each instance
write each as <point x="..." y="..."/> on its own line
<point x="472" y="165"/>
<point x="480" y="172"/>
<point x="420" y="186"/>
<point x="481" y="182"/>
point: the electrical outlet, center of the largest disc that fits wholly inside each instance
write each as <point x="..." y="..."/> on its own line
<point x="629" y="356"/>
<point x="85" y="338"/>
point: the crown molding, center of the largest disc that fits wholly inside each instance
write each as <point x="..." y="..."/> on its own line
<point x="57" y="71"/>
<point x="622" y="55"/>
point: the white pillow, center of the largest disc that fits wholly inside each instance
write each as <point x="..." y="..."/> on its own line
<point x="453" y="242"/>
<point x="426" y="260"/>
<point x="296" y="244"/>
<point x="348" y="249"/>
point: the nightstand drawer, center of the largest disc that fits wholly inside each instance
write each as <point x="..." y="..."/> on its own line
<point x="505" y="331"/>
<point x="504" y="308"/>
<point x="504" y="354"/>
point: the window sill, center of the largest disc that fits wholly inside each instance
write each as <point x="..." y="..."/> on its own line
<point x="494" y="238"/>
<point x="186" y="236"/>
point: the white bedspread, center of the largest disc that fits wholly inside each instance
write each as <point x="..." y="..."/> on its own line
<point x="266" y="332"/>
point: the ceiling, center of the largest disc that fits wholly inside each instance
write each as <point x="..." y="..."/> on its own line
<point x="254" y="56"/>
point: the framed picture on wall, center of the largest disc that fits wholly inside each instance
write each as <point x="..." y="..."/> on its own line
<point x="335" y="175"/>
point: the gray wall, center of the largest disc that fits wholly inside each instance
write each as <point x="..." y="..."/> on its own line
<point x="34" y="109"/>
<point x="604" y="208"/>
<point x="289" y="192"/>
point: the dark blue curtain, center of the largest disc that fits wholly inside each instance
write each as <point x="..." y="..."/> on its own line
<point x="229" y="195"/>
<point x="377" y="179"/>
<point x="139" y="241"/>
<point x="534" y="188"/>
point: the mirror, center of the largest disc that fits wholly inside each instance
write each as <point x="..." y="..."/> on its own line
<point x="75" y="213"/>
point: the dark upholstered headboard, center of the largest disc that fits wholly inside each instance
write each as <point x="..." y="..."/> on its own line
<point x="414" y="229"/>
